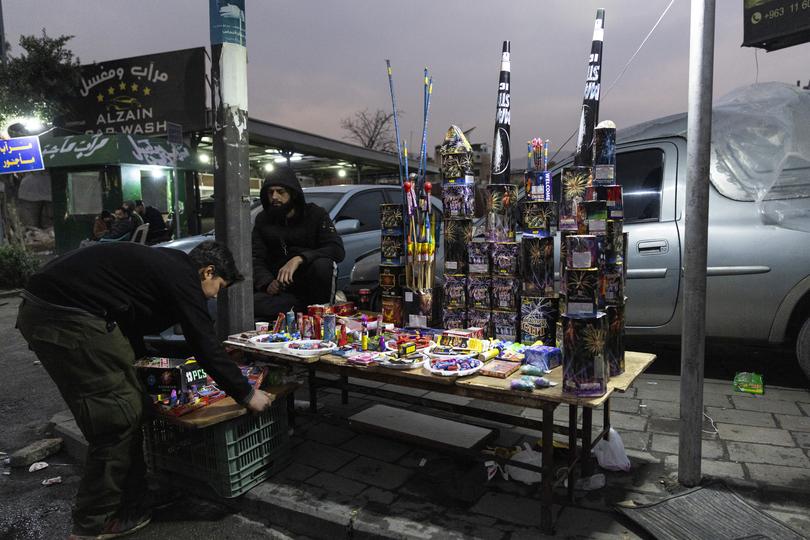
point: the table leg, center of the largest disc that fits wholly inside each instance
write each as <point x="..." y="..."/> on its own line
<point x="587" y="417"/>
<point x="606" y="419"/>
<point x="548" y="462"/>
<point x="344" y="392"/>
<point x="572" y="448"/>
<point x="313" y="389"/>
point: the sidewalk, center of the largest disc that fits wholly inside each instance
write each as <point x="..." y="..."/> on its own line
<point x="343" y="483"/>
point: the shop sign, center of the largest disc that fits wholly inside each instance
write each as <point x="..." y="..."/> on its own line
<point x="20" y="154"/>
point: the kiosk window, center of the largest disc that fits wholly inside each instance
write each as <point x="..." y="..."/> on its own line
<point x="84" y="193"/>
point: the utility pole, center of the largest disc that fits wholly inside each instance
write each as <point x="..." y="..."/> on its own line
<point x="231" y="165"/>
<point x="2" y="37"/>
<point x="693" y="340"/>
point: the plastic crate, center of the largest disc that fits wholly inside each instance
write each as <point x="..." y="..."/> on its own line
<point x="231" y="457"/>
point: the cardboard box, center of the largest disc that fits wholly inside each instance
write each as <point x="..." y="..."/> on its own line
<point x="162" y="375"/>
<point x="500" y="369"/>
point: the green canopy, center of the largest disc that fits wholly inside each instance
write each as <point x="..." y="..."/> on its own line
<point x="113" y="149"/>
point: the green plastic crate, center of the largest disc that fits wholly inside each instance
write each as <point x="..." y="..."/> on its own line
<point x="231" y="457"/>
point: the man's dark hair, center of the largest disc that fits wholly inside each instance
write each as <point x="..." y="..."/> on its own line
<point x="211" y="253"/>
<point x="138" y="203"/>
<point x="106" y="214"/>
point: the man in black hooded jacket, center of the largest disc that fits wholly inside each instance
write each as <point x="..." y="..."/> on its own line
<point x="295" y="246"/>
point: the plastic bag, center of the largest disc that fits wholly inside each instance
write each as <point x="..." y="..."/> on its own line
<point x="530" y="457"/>
<point x="610" y="453"/>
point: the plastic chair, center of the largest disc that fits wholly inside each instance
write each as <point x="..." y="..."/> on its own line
<point x="139" y="236"/>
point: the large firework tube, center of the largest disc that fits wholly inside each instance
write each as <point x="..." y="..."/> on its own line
<point x="590" y="100"/>
<point x="503" y="121"/>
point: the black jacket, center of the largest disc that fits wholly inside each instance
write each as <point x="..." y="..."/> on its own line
<point x="310" y="233"/>
<point x="120" y="228"/>
<point x="144" y="290"/>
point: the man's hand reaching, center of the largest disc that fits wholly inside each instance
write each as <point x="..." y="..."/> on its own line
<point x="260" y="401"/>
<point x="285" y="274"/>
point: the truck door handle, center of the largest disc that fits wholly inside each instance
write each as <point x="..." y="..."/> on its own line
<point x="650" y="247"/>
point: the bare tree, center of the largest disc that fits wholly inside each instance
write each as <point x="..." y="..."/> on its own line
<point x="372" y="130"/>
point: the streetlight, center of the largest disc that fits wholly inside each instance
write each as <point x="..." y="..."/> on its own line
<point x="341" y="173"/>
<point x="204" y="158"/>
<point x="268" y="167"/>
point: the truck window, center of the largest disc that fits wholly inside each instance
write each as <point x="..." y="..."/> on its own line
<point x="641" y="174"/>
<point x="365" y="207"/>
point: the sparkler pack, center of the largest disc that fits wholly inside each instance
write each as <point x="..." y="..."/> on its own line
<point x="585" y="361"/>
<point x="537" y="265"/>
<point x="538" y="319"/>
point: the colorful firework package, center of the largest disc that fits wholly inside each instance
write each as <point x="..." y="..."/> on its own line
<point x="455" y="290"/>
<point x="611" y="243"/>
<point x="505" y="293"/>
<point x="505" y="258"/>
<point x="582" y="252"/>
<point x="611" y="285"/>
<point x="391" y="219"/>
<point x="563" y="257"/>
<point x="479" y="257"/>
<point x="392" y="310"/>
<point x="457" y="154"/>
<point x="543" y="357"/>
<point x="575" y="182"/>
<point x="585" y="363"/>
<point x="539" y="218"/>
<point x="392" y="279"/>
<point x="478" y="292"/>
<point x="418" y="308"/>
<point x="538" y="319"/>
<point x="501" y="205"/>
<point x="458" y="199"/>
<point x="604" y="154"/>
<point x="537" y="264"/>
<point x="612" y="195"/>
<point x="458" y="234"/>
<point x="500" y="369"/>
<point x="453" y="318"/>
<point x="581" y="291"/>
<point x="504" y="325"/>
<point x="479" y="318"/>
<point x="615" y="339"/>
<point x="392" y="249"/>
<point x="596" y="212"/>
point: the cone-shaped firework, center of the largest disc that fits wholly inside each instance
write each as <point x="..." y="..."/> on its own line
<point x="456" y="154"/>
<point x="500" y="145"/>
<point x="590" y="100"/>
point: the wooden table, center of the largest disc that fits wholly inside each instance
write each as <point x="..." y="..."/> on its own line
<point x="479" y="387"/>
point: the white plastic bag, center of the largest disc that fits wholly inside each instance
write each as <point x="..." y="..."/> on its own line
<point x="610" y="453"/>
<point x="530" y="457"/>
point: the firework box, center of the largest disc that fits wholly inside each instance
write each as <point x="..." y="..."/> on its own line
<point x="612" y="195"/>
<point x="539" y="218"/>
<point x="162" y="375"/>
<point x="479" y="257"/>
<point x="453" y="318"/>
<point x="581" y="291"/>
<point x="458" y="234"/>
<point x="611" y="285"/>
<point x="418" y="308"/>
<point x="458" y="198"/>
<point x="480" y="318"/>
<point x="575" y="182"/>
<point x="501" y="205"/>
<point x="543" y="356"/>
<point x="604" y="155"/>
<point x="478" y="292"/>
<point x="585" y="364"/>
<point x="392" y="249"/>
<point x="563" y="257"/>
<point x="615" y="339"/>
<point x="500" y="369"/>
<point x="505" y="325"/>
<point x="534" y="185"/>
<point x="392" y="280"/>
<point x="392" y="310"/>
<point x="475" y="332"/>
<point x="538" y="319"/>
<point x="505" y="293"/>
<point x="455" y="291"/>
<point x="611" y="243"/>
<point x="391" y="219"/>
<point x="582" y="252"/>
<point x="597" y="216"/>
<point x="506" y="258"/>
<point x="537" y="264"/>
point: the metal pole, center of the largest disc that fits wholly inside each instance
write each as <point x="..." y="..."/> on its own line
<point x="2" y="37"/>
<point x="231" y="165"/>
<point x="701" y="70"/>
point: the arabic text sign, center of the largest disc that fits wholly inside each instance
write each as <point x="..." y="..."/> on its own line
<point x="20" y="154"/>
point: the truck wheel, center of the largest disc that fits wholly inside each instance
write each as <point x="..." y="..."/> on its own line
<point x="803" y="348"/>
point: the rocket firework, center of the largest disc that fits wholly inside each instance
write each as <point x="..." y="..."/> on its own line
<point x="590" y="100"/>
<point x="500" y="145"/>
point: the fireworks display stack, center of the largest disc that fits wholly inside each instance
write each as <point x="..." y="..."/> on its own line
<point x="392" y="269"/>
<point x="458" y="201"/>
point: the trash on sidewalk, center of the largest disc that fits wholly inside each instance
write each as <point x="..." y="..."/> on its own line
<point x="38" y="466"/>
<point x="589" y="483"/>
<point x="52" y="481"/>
<point x="530" y="457"/>
<point x="610" y="453"/>
<point x="749" y="382"/>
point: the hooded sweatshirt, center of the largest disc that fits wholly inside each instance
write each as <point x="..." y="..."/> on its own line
<point x="308" y="233"/>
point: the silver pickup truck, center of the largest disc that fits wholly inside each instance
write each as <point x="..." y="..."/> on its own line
<point x="758" y="268"/>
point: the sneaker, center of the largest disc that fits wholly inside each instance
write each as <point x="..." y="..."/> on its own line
<point x="117" y="526"/>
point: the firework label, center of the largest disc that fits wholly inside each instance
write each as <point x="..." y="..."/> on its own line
<point x="504" y="325"/>
<point x="537" y="264"/>
<point x="392" y="279"/>
<point x="597" y="216"/>
<point x="458" y="200"/>
<point x="500" y="144"/>
<point x="615" y="340"/>
<point x="391" y="220"/>
<point x="505" y="258"/>
<point x="478" y="291"/>
<point x="479" y="318"/>
<point x="538" y="319"/>
<point x="575" y="182"/>
<point x="418" y="307"/>
<point x="581" y="291"/>
<point x="392" y="249"/>
<point x="611" y="243"/>
<point x="604" y="154"/>
<point x="539" y="218"/>
<point x="454" y="318"/>
<point x="392" y="310"/>
<point x="582" y="251"/>
<point x="590" y="99"/>
<point x="611" y="285"/>
<point x="455" y="290"/>
<point x="563" y="258"/>
<point x="478" y="255"/>
<point x="501" y="206"/>
<point x="504" y="293"/>
<point x="585" y="364"/>
<point x="458" y="234"/>
<point x="612" y="195"/>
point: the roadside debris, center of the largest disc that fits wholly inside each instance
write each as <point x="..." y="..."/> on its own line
<point x="38" y="466"/>
<point x="52" y="481"/>
<point x="749" y="382"/>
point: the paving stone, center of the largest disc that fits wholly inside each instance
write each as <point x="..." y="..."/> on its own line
<point x="763" y="404"/>
<point x="581" y="523"/>
<point x="765" y="453"/>
<point x="713" y="468"/>
<point x="322" y="457"/>
<point x="660" y="409"/>
<point x="407" y="390"/>
<point x="509" y="508"/>
<point x="733" y="432"/>
<point x="715" y="399"/>
<point x="376" y="473"/>
<point x="622" y="421"/>
<point x="786" y="394"/>
<point x="448" y="398"/>
<point x="670" y="444"/>
<point x="336" y="483"/>
<point x="653" y="392"/>
<point x="805" y="407"/>
<point x="294" y="472"/>
<point x="637" y="440"/>
<point x="365" y="382"/>
<point x="776" y="475"/>
<point x="628" y="405"/>
<point x="415" y="457"/>
<point x="502" y="408"/>
<point x="328" y="434"/>
<point x="798" y="522"/>
<point x="802" y="439"/>
<point x="794" y="423"/>
<point x="671" y="426"/>
<point x="378" y="495"/>
<point x="639" y="456"/>
<point x="740" y="416"/>
<point x="376" y="447"/>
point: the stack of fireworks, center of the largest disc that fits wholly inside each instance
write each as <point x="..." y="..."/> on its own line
<point x="392" y="267"/>
<point x="538" y="177"/>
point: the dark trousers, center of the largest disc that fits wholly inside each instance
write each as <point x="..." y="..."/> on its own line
<point x="313" y="283"/>
<point x="91" y="365"/>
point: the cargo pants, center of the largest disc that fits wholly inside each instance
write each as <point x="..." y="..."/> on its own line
<point x="91" y="363"/>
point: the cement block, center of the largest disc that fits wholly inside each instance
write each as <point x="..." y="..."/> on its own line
<point x="377" y="495"/>
<point x="713" y="468"/>
<point x="36" y="451"/>
<point x="802" y="439"/>
<point x="739" y="416"/>
<point x="669" y="445"/>
<point x="713" y="398"/>
<point x="671" y="426"/>
<point x="336" y="483"/>
<point x="376" y="447"/>
<point x="322" y="457"/>
<point x="581" y="523"/>
<point x="786" y="394"/>
<point x="294" y="472"/>
<point x="376" y="473"/>
<point x="509" y="508"/>
<point x="653" y="392"/>
<point x="638" y="440"/>
<point x="660" y="409"/>
<point x="328" y="434"/>
<point x="733" y="432"/>
<point x="627" y="405"/>
<point x="765" y="453"/>
<point x="805" y="407"/>
<point x="764" y="404"/>
<point x="793" y="423"/>
<point x="777" y="475"/>
<point x="620" y="421"/>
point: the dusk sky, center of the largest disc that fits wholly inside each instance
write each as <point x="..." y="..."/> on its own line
<point x="312" y="63"/>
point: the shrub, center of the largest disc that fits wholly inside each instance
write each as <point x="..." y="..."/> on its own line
<point x="16" y="266"/>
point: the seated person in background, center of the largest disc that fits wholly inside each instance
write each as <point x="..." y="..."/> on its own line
<point x="130" y="207"/>
<point x="121" y="228"/>
<point x="102" y="224"/>
<point x="158" y="232"/>
<point x="295" y="246"/>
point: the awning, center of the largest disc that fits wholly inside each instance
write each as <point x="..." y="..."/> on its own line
<point x="113" y="149"/>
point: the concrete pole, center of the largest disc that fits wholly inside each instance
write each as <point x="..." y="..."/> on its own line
<point x="2" y="37"/>
<point x="231" y="165"/>
<point x="701" y="70"/>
